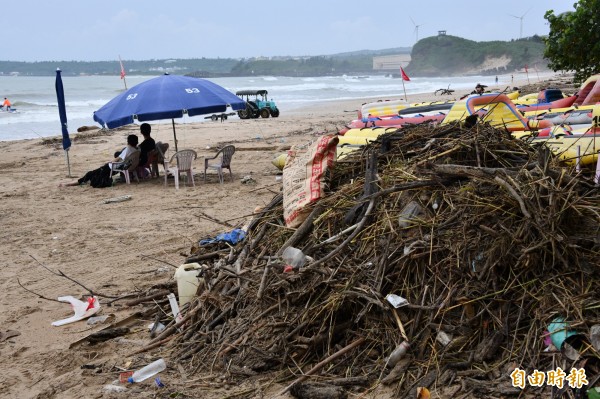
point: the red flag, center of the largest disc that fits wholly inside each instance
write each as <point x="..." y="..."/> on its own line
<point x="404" y="75"/>
<point x="122" y="69"/>
<point x="526" y="69"/>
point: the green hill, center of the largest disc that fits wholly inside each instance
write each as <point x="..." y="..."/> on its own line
<point x="432" y="56"/>
<point x="450" y="55"/>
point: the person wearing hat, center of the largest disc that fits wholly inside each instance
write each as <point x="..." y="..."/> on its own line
<point x="479" y="89"/>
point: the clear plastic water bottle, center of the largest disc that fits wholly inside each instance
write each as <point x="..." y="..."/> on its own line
<point x="148" y="371"/>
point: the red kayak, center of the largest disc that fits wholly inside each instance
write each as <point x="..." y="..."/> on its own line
<point x="562" y="103"/>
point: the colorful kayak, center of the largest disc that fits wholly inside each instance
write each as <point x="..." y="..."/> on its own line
<point x="561" y="103"/>
<point x="570" y="144"/>
<point x="496" y="109"/>
<point x="571" y="117"/>
<point x="393" y="107"/>
<point x="589" y="91"/>
<point x="395" y="121"/>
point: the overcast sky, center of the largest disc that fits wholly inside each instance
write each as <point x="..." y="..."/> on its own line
<point x="93" y="30"/>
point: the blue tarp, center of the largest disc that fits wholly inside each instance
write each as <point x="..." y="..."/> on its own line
<point x="232" y="237"/>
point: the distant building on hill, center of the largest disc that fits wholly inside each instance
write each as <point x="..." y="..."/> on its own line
<point x="390" y="63"/>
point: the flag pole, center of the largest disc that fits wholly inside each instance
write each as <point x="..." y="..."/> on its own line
<point x="123" y="73"/>
<point x="404" y="77"/>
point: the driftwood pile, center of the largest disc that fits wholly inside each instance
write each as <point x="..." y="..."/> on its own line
<point x="488" y="240"/>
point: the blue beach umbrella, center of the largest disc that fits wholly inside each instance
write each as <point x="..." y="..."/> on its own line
<point x="62" y="113"/>
<point x="167" y="97"/>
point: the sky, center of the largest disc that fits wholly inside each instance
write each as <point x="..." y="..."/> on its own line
<point x="92" y="30"/>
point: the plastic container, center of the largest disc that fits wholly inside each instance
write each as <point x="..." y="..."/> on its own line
<point x="408" y="214"/>
<point x="188" y="280"/>
<point x="559" y="331"/>
<point x="294" y="258"/>
<point x="148" y="371"/>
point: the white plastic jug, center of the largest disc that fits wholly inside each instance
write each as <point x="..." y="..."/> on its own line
<point x="187" y="281"/>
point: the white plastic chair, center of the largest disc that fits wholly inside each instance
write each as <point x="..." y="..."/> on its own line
<point x="129" y="164"/>
<point x="226" y="153"/>
<point x="161" y="155"/>
<point x="181" y="161"/>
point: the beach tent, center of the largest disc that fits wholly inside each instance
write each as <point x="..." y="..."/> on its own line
<point x="167" y="97"/>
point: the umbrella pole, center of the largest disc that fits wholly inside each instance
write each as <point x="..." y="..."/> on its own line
<point x="68" y="163"/>
<point x="174" y="134"/>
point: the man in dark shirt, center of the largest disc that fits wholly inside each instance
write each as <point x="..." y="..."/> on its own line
<point x="147" y="144"/>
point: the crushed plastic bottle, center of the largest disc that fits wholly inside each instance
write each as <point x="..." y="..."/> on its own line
<point x="148" y="371"/>
<point x="408" y="214"/>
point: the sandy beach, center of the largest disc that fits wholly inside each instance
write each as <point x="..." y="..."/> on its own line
<point x="118" y="248"/>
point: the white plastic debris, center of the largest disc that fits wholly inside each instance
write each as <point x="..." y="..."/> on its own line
<point x="97" y="320"/>
<point x="396" y="300"/>
<point x="82" y="310"/>
<point x="175" y="308"/>
<point x="156" y="328"/>
<point x="113" y="388"/>
<point x="443" y="338"/>
<point x="116" y="199"/>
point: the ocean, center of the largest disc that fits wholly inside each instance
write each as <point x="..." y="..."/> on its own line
<point x="37" y="116"/>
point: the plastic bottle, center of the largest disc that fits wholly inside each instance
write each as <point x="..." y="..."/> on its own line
<point x="294" y="258"/>
<point x="148" y="371"/>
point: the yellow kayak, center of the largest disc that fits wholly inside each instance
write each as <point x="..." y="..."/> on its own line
<point x="568" y="148"/>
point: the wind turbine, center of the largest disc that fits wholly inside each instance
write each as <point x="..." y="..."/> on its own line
<point x="416" y="29"/>
<point x="521" y="18"/>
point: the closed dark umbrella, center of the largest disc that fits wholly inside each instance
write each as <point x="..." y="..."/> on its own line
<point x="62" y="113"/>
<point x="167" y="97"/>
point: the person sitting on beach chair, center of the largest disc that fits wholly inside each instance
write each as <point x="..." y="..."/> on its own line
<point x="102" y="177"/>
<point x="147" y="148"/>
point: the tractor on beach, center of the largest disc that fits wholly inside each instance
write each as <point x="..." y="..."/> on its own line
<point x="257" y="105"/>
